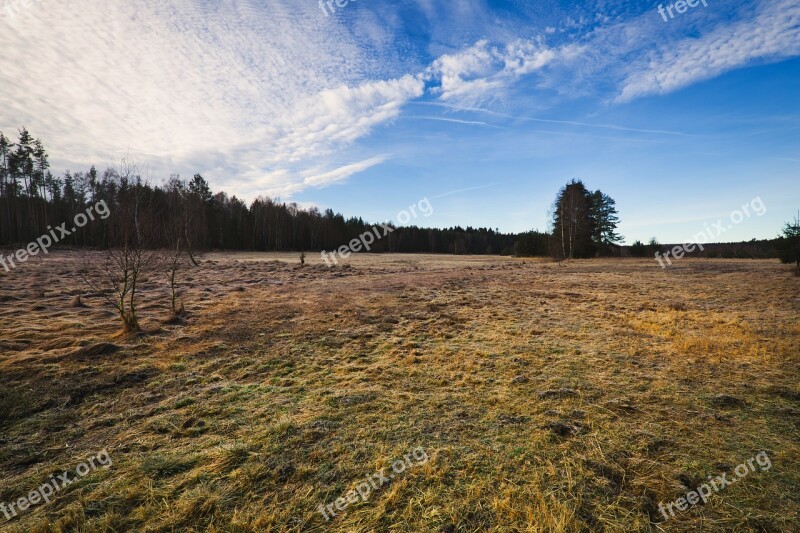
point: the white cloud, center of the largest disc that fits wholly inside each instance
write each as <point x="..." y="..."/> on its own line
<point x="336" y="117"/>
<point x="484" y="71"/>
<point x="773" y="34"/>
<point x="342" y="173"/>
<point x="228" y="90"/>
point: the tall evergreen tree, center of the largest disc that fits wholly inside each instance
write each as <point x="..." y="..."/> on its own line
<point x="22" y="169"/>
<point x="604" y="221"/>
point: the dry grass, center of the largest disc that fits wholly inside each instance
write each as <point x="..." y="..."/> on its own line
<point x="548" y="397"/>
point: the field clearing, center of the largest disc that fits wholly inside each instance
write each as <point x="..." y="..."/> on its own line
<point x="548" y="397"/>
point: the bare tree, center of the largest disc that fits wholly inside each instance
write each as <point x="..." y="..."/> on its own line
<point x="174" y="264"/>
<point x="117" y="280"/>
<point x="186" y="205"/>
<point x="174" y="259"/>
<point x="118" y="275"/>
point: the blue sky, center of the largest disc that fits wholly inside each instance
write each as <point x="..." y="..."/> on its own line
<point x="484" y="107"/>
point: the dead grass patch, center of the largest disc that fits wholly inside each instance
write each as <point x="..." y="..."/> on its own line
<point x="549" y="397"/>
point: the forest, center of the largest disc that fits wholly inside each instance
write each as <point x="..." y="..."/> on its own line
<point x="32" y="199"/>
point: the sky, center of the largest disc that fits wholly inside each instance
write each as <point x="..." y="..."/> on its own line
<point x="486" y="108"/>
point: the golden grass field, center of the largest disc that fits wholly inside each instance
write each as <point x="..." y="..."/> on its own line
<point x="548" y="397"/>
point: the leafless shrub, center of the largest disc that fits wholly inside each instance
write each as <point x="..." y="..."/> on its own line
<point x="117" y="275"/>
<point x="120" y="270"/>
<point x="175" y="262"/>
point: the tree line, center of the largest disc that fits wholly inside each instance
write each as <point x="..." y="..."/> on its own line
<point x="583" y="223"/>
<point x="32" y="198"/>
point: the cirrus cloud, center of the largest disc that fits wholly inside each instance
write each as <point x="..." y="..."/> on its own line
<point x="773" y="34"/>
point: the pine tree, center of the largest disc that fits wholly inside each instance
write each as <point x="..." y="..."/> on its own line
<point x="22" y="169"/>
<point x="604" y="221"/>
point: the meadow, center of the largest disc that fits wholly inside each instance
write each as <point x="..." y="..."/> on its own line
<point x="547" y="396"/>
